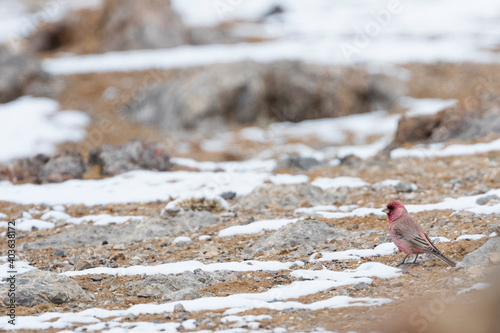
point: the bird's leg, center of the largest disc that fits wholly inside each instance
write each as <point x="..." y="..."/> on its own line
<point x="415" y="260"/>
<point x="403" y="261"/>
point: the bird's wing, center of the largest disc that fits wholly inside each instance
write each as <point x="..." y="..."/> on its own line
<point x="424" y="243"/>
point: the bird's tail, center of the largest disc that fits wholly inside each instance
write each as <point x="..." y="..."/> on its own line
<point x="443" y="258"/>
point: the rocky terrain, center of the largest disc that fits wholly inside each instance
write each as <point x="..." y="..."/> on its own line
<point x="240" y="196"/>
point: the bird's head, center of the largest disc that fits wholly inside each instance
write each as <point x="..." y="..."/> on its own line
<point x="394" y="210"/>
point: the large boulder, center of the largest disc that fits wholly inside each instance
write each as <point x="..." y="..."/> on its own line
<point x="245" y="92"/>
<point x="133" y="155"/>
<point x="115" y="26"/>
<point x="41" y="287"/>
<point x="454" y="123"/>
<point x="306" y="232"/>
<point x="21" y="75"/>
<point x="286" y="197"/>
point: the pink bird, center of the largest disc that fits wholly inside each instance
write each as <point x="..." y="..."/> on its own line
<point x="408" y="235"/>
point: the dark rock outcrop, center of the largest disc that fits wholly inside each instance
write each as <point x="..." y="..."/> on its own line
<point x="245" y="92"/>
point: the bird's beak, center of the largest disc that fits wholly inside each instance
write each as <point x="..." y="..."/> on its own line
<point x="386" y="210"/>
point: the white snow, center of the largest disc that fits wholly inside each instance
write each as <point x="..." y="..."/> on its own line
<point x="182" y="239"/>
<point x="28" y="224"/>
<point x="477" y="286"/>
<point x="425" y="106"/>
<point x="470" y="237"/>
<point x="312" y="210"/>
<point x="55" y="215"/>
<point x="243" y="166"/>
<point x="20" y="268"/>
<point x="285" y="179"/>
<point x="255" y="227"/>
<point x="134" y="186"/>
<point x="329" y="183"/>
<point x="321" y="31"/>
<point x="179" y="267"/>
<point x="103" y="219"/>
<point x="379" y="250"/>
<point x="3" y="216"/>
<point x="30" y="126"/>
<point x="440" y="150"/>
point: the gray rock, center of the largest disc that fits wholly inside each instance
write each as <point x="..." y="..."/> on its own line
<point x="482" y="255"/>
<point x="21" y="75"/>
<point x="64" y="166"/>
<point x="117" y="25"/>
<point x="179" y="308"/>
<point x="228" y="195"/>
<point x="404" y="187"/>
<point x="25" y="169"/>
<point x="286" y="196"/>
<point x="299" y="234"/>
<point x="361" y="286"/>
<point x="176" y="287"/>
<point x="218" y="95"/>
<point x="40" y="287"/>
<point x="484" y="200"/>
<point x="59" y="253"/>
<point x="149" y="228"/>
<point x="297" y="162"/>
<point x="133" y="155"/>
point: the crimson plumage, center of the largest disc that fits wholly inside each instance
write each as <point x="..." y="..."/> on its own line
<point x="408" y="235"/>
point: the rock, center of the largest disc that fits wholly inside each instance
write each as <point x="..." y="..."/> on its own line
<point x="24" y="170"/>
<point x="352" y="160"/>
<point x="59" y="253"/>
<point x="299" y="234"/>
<point x="118" y="25"/>
<point x="176" y="287"/>
<point x="495" y="258"/>
<point x="133" y="155"/>
<point x="297" y="162"/>
<point x="41" y="287"/>
<point x="486" y="199"/>
<point x="64" y="166"/>
<point x="148" y="228"/>
<point x="404" y="186"/>
<point x="218" y="95"/>
<point x="179" y="308"/>
<point x="96" y="278"/>
<point x="361" y="286"/>
<point x="454" y="123"/>
<point x="481" y="256"/>
<point x="286" y="196"/>
<point x="83" y="264"/>
<point x="22" y="75"/>
<point x="228" y="195"/>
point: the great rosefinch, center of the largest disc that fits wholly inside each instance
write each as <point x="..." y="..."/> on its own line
<point x="408" y="235"/>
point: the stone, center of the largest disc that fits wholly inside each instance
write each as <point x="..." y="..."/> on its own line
<point x="133" y="155"/>
<point x="228" y="195"/>
<point x="41" y="287"/>
<point x="297" y="162"/>
<point x="404" y="186"/>
<point x="219" y="95"/>
<point x="22" y="75"/>
<point x="454" y="123"/>
<point x="63" y="166"/>
<point x="117" y="25"/>
<point x="59" y="253"/>
<point x="486" y="199"/>
<point x="494" y="258"/>
<point x="83" y="264"/>
<point x="361" y="286"/>
<point x="179" y="308"/>
<point x="299" y="234"/>
<point x="286" y="196"/>
<point x="481" y="256"/>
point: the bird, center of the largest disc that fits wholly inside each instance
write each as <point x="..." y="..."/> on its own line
<point x="408" y="235"/>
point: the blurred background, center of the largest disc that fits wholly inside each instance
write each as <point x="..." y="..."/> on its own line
<point x="91" y="89"/>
